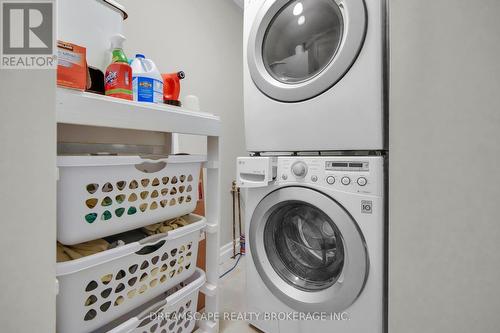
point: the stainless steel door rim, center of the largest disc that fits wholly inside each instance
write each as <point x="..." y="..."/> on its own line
<point x="345" y="288"/>
<point x="353" y="30"/>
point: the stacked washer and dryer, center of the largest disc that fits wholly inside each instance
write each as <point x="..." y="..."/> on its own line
<point x="314" y="184"/>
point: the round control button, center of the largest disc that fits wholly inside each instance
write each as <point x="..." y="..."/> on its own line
<point x="299" y="169"/>
<point x="285" y="177"/>
<point x="345" y="180"/>
<point x="330" y="180"/>
<point x="362" y="181"/>
<point x="314" y="178"/>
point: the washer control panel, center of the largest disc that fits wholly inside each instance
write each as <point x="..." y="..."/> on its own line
<point x="349" y="174"/>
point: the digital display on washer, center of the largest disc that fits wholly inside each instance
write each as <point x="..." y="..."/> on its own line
<point x="346" y="166"/>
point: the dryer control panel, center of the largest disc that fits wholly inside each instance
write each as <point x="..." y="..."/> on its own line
<point x="356" y="174"/>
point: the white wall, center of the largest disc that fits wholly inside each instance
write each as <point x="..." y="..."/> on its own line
<point x="27" y="200"/>
<point x="444" y="266"/>
<point x="204" y="39"/>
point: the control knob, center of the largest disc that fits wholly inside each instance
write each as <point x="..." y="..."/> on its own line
<point x="330" y="180"/>
<point x="299" y="169"/>
<point x="362" y="181"/>
<point x="345" y="180"/>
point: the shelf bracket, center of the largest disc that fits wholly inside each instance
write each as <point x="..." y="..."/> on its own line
<point x="212" y="228"/>
<point x="209" y="289"/>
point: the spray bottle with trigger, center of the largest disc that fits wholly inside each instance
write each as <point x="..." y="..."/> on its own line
<point x="118" y="77"/>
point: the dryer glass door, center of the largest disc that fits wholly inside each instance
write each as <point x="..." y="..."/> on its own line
<point x="298" y="49"/>
<point x="295" y="50"/>
<point x="308" y="250"/>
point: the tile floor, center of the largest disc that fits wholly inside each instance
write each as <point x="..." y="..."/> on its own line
<point x="232" y="298"/>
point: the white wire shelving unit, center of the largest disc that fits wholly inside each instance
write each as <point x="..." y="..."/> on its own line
<point x="87" y="109"/>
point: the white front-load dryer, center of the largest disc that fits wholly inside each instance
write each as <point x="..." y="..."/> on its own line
<point x="315" y="260"/>
<point x="314" y="74"/>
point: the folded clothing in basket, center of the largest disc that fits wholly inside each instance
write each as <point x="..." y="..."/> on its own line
<point x="77" y="251"/>
<point x="71" y="252"/>
<point x="162" y="227"/>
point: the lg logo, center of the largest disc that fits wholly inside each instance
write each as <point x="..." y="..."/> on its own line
<point x="366" y="206"/>
<point x="28" y="34"/>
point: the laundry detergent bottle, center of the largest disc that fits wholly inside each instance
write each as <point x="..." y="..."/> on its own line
<point x="147" y="80"/>
<point x="118" y="77"/>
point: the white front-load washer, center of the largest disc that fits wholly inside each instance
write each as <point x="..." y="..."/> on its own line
<point x="315" y="260"/>
<point x="314" y="73"/>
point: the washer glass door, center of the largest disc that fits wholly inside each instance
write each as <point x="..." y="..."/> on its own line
<point x="304" y="246"/>
<point x="308" y="250"/>
<point x="298" y="49"/>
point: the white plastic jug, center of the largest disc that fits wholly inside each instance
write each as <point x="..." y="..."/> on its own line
<point x="147" y="83"/>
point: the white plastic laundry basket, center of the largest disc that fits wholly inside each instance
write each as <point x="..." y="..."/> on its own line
<point x="171" y="312"/>
<point x="95" y="290"/>
<point x="100" y="196"/>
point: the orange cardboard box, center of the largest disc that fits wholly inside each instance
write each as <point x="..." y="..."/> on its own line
<point x="71" y="65"/>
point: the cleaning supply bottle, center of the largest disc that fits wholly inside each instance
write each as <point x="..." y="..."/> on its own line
<point x="172" y="87"/>
<point x="118" y="77"/>
<point x="146" y="80"/>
